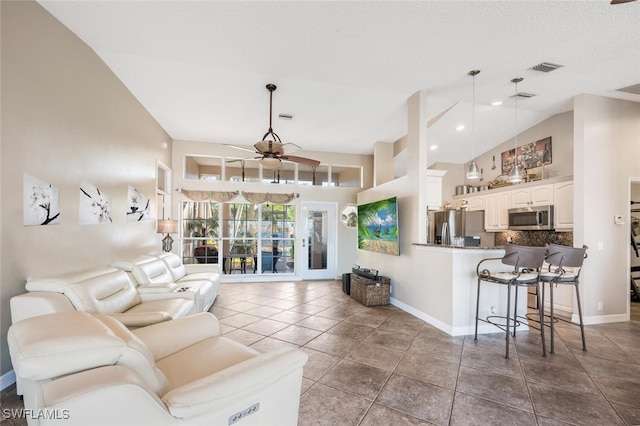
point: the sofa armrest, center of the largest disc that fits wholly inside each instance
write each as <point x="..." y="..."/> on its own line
<point x="196" y="268"/>
<point x="186" y="331"/>
<point x="216" y="391"/>
<point x="140" y="319"/>
<point x="38" y="303"/>
<point x="157" y="288"/>
<point x="101" y="396"/>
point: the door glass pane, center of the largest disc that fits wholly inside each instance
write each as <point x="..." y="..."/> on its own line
<point x="200" y="232"/>
<point x="317" y="239"/>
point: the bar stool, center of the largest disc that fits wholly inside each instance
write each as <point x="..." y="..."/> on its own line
<point x="527" y="264"/>
<point x="559" y="257"/>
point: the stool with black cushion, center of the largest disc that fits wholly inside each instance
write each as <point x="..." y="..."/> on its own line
<point x="559" y="258"/>
<point x="527" y="264"/>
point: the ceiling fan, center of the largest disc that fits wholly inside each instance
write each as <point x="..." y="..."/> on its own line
<point x="271" y="149"/>
<point x="621" y="1"/>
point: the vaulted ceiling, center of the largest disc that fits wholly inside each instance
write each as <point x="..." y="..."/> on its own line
<point x="344" y="69"/>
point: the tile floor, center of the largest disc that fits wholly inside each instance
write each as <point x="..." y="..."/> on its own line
<point x="382" y="366"/>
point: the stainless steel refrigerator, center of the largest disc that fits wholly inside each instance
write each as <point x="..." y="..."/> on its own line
<point x="467" y="226"/>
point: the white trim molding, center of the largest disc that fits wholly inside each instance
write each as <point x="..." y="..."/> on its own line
<point x="7" y="379"/>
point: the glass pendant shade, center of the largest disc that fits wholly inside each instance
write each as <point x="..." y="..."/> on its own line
<point x="473" y="172"/>
<point x="270" y="163"/>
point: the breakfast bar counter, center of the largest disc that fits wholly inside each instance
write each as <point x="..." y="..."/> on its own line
<point x="447" y="288"/>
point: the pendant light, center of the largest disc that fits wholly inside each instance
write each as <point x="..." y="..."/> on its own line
<point x="473" y="172"/>
<point x="515" y="175"/>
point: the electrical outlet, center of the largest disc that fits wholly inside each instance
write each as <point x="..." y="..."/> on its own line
<point x="390" y="289"/>
<point x="599" y="306"/>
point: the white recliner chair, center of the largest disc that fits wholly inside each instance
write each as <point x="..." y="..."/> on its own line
<point x="79" y="369"/>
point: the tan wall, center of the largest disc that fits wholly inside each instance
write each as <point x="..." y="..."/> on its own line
<point x="66" y="118"/>
<point x="606" y="158"/>
<point x="559" y="127"/>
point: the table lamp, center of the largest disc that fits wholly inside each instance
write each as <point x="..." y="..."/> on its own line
<point x="167" y="227"/>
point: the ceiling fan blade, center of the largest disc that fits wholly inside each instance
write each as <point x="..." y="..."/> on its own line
<point x="290" y="148"/>
<point x="621" y="1"/>
<point x="269" y="146"/>
<point x="302" y="160"/>
<point x="241" y="148"/>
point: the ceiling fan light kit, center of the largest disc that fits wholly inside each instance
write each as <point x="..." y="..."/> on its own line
<point x="271" y="148"/>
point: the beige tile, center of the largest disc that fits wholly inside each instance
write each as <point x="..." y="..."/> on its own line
<point x="318" y="323"/>
<point x="244" y="337"/>
<point x="419" y="399"/>
<point x="289" y="317"/>
<point x="266" y="326"/>
<point x="356" y="379"/>
<point x="571" y="407"/>
<point x="379" y="415"/>
<point x="430" y="370"/>
<point x="296" y="334"/>
<point x="322" y="405"/>
<point x="239" y="320"/>
<point x="495" y="387"/>
<point x="376" y="356"/>
<point x="332" y="344"/>
<point x="471" y="410"/>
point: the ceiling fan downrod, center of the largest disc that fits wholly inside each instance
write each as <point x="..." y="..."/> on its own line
<point x="271" y="88"/>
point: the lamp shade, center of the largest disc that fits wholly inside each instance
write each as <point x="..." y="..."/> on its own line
<point x="167" y="226"/>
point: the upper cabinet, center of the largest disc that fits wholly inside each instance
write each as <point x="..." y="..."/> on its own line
<point x="434" y="188"/>
<point x="563" y="209"/>
<point x="496" y="209"/>
<point x="533" y="196"/>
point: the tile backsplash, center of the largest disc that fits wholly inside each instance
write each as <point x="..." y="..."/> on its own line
<point x="534" y="238"/>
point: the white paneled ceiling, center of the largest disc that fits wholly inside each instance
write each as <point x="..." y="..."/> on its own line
<point x="344" y="69"/>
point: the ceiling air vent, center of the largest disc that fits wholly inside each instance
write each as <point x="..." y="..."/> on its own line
<point x="523" y="95"/>
<point x="546" y="67"/>
<point x="634" y="90"/>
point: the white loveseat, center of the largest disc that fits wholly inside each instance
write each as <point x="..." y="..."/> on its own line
<point x="155" y="271"/>
<point x="81" y="369"/>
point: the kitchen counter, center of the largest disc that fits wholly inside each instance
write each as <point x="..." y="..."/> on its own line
<point x="458" y="247"/>
<point x="444" y="288"/>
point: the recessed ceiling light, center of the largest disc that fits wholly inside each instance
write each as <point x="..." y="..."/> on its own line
<point x="460" y="127"/>
<point x="496" y="103"/>
<point x="433" y="147"/>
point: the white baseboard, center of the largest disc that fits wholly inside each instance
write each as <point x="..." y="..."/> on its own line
<point x="601" y="319"/>
<point x="7" y="379"/>
<point x="483" y="327"/>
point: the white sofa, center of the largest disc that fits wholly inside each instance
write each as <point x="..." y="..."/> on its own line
<point x="153" y="271"/>
<point x="90" y="369"/>
<point x="105" y="290"/>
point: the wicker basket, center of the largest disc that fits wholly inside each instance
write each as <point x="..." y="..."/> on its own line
<point x="370" y="292"/>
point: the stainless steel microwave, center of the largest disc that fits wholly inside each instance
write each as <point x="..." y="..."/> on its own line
<point x="531" y="218"/>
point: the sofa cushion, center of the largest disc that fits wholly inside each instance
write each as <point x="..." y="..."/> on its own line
<point x="52" y="345"/>
<point x="96" y="290"/>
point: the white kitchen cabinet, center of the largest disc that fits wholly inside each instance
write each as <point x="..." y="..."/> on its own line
<point x="476" y="203"/>
<point x="434" y="188"/>
<point x="533" y="196"/>
<point x="496" y="209"/>
<point x="563" y="206"/>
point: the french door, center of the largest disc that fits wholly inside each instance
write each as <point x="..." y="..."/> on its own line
<point x="317" y="241"/>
